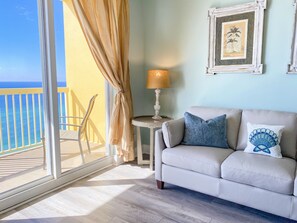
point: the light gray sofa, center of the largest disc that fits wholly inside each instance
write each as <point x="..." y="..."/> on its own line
<point x="261" y="182"/>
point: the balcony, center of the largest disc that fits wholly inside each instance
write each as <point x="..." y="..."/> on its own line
<point x="21" y="130"/>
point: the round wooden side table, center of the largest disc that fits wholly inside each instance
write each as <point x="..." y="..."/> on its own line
<point x="152" y="124"/>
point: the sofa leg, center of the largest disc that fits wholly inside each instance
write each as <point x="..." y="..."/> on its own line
<point x="160" y="184"/>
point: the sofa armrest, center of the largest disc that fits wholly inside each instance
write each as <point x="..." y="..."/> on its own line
<point x="159" y="147"/>
<point x="173" y="132"/>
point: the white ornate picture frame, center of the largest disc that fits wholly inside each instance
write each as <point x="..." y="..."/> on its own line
<point x="292" y="68"/>
<point x="235" y="38"/>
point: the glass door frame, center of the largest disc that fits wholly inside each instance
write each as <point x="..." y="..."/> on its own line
<point x="55" y="179"/>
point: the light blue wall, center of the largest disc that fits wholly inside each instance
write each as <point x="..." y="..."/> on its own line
<point x="141" y="104"/>
<point x="137" y="54"/>
<point x="175" y="36"/>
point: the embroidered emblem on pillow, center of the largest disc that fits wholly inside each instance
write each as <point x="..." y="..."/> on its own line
<point x="264" y="140"/>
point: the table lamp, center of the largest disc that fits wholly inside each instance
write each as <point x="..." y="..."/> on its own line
<point x="157" y="79"/>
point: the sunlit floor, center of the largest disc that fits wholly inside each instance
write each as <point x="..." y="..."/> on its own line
<point x="24" y="167"/>
<point x="128" y="194"/>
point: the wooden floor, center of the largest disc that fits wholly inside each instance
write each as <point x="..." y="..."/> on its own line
<point x="128" y="193"/>
<point x="24" y="167"/>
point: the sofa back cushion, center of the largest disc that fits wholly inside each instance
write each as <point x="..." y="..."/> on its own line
<point x="286" y="119"/>
<point x="233" y="120"/>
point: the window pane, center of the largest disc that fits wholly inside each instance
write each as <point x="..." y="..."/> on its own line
<point x="83" y="81"/>
<point x="21" y="96"/>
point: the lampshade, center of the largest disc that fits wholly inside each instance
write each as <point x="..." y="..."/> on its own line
<point x="157" y="79"/>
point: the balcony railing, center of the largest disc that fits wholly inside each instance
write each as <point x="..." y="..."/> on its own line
<point x="21" y="117"/>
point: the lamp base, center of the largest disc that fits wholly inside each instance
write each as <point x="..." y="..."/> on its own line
<point x="156" y="117"/>
<point x="157" y="105"/>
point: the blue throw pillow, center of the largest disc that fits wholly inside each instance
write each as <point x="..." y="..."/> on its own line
<point x="199" y="132"/>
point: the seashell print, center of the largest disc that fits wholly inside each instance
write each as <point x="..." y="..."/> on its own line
<point x="263" y="139"/>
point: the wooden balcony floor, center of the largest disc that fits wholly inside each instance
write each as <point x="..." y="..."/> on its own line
<point x="25" y="167"/>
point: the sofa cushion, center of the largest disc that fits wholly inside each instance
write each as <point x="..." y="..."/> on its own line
<point x="199" y="132"/>
<point x="286" y="119"/>
<point x="264" y="172"/>
<point x="233" y="120"/>
<point x="204" y="160"/>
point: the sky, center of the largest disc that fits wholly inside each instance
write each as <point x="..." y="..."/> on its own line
<point x="19" y="41"/>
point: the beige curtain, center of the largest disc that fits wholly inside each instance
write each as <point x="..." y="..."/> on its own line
<point x="105" y="24"/>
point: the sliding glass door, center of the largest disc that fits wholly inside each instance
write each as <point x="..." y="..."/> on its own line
<point x="22" y="157"/>
<point x="53" y="110"/>
<point x="82" y="107"/>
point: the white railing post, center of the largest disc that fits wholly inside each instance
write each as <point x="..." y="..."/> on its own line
<point x="67" y="108"/>
<point x="40" y="116"/>
<point x="34" y="117"/>
<point x="60" y="109"/>
<point x="21" y="118"/>
<point x="14" y="122"/>
<point x="7" y="122"/>
<point x="28" y="119"/>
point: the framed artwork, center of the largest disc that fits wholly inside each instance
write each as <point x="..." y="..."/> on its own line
<point x="235" y="38"/>
<point x="292" y="68"/>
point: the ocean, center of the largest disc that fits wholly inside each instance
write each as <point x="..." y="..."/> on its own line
<point x="20" y="130"/>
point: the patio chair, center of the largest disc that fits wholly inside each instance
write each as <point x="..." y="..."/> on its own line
<point x="76" y="135"/>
